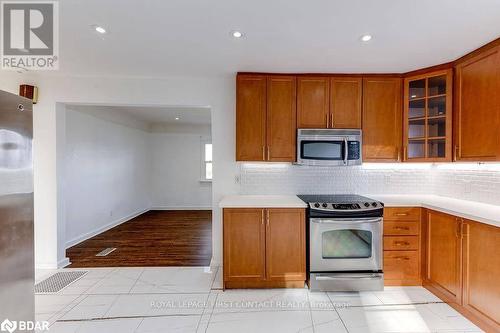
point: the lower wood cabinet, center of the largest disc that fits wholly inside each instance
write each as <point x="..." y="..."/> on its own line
<point x="264" y="247"/>
<point x="402" y="246"/>
<point x="462" y="266"/>
<point x="443" y="256"/>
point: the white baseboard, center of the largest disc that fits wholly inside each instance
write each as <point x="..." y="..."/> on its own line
<point x="181" y="208"/>
<point x="63" y="263"/>
<point x="81" y="238"/>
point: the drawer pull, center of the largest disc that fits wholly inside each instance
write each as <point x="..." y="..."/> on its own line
<point x="401" y="243"/>
<point x="401" y="258"/>
<point x="401" y="214"/>
<point x="401" y="228"/>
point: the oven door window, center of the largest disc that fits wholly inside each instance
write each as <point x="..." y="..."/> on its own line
<point x="322" y="150"/>
<point x="346" y="243"/>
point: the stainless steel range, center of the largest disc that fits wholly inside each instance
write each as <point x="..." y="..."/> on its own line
<point x="345" y="243"/>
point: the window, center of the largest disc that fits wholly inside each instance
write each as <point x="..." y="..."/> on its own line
<point x="206" y="166"/>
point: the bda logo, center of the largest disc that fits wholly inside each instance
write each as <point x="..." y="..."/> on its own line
<point x="8" y="326"/>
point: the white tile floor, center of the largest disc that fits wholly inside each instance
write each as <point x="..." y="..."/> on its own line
<point x="176" y="299"/>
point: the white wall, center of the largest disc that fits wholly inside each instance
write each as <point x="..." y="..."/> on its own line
<point x="107" y="175"/>
<point x="175" y="172"/>
<point x="218" y="93"/>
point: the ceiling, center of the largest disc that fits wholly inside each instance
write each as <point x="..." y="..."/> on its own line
<point x="158" y="38"/>
<point x="150" y="114"/>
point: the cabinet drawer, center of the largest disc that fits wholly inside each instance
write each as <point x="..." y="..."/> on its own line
<point x="400" y="243"/>
<point x="397" y="228"/>
<point x="402" y="213"/>
<point x="401" y="265"/>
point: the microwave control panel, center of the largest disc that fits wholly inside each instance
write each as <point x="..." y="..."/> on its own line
<point x="354" y="150"/>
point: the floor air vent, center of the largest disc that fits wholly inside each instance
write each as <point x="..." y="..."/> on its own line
<point x="58" y="282"/>
<point x="105" y="252"/>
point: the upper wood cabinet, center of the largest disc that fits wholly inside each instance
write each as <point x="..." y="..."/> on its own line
<point x="477" y="135"/>
<point x="427" y="122"/>
<point x="250" y="118"/>
<point x="281" y="118"/>
<point x="265" y="118"/>
<point x="382" y="116"/>
<point x="345" y="102"/>
<point x="443" y="256"/>
<point x="329" y="102"/>
<point x="313" y="102"/>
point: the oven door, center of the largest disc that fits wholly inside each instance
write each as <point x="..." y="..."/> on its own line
<point x="345" y="244"/>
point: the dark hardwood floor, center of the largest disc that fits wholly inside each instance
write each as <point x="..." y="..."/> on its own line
<point x="155" y="238"/>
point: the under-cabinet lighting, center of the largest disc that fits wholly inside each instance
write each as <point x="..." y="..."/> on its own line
<point x="469" y="166"/>
<point x="396" y="166"/>
<point x="366" y="38"/>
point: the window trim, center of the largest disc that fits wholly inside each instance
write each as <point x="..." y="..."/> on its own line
<point x="203" y="163"/>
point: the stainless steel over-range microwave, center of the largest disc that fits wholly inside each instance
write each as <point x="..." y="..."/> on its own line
<point x="329" y="147"/>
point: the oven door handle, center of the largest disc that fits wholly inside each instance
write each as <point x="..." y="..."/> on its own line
<point x="348" y="277"/>
<point x="343" y="221"/>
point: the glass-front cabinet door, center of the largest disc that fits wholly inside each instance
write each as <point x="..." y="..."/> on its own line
<point x="427" y="117"/>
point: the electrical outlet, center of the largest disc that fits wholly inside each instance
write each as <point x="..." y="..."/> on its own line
<point x="387" y="179"/>
<point x="237" y="179"/>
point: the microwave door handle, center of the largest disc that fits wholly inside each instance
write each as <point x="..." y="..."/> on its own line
<point x="346" y="150"/>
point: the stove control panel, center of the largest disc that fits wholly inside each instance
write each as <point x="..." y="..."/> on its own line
<point x="358" y="206"/>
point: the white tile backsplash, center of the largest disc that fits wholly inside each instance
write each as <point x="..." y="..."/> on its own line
<point x="470" y="182"/>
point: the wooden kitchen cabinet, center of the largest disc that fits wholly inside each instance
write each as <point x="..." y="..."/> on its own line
<point x="402" y="255"/>
<point x="329" y="102"/>
<point x="477" y="107"/>
<point x="266" y="118"/>
<point x="285" y="244"/>
<point x="264" y="248"/>
<point x="481" y="271"/>
<point x="443" y="257"/>
<point x="250" y="117"/>
<point x="244" y="245"/>
<point x="427" y="121"/>
<point x="281" y="119"/>
<point x="345" y="102"/>
<point x="382" y="117"/>
<point x="313" y="102"/>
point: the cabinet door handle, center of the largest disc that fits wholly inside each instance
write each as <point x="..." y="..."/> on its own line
<point x="268" y="153"/>
<point x="401" y="214"/>
<point x="267" y="218"/>
<point x="331" y="120"/>
<point x="455" y="153"/>
<point x="458" y="231"/>
<point x="401" y="228"/>
<point x="262" y="216"/>
<point x="327" y="117"/>
<point x="263" y="153"/>
<point x="401" y="258"/>
<point x="401" y="243"/>
<point x="405" y="153"/>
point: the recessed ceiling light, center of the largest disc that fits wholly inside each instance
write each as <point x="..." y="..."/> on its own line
<point x="366" y="38"/>
<point x="100" y="29"/>
<point x="237" y="34"/>
<point x="177" y="118"/>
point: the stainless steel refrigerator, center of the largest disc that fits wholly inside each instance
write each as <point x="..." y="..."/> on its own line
<point x="16" y="209"/>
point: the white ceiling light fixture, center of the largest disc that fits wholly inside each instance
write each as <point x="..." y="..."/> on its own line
<point x="366" y="38"/>
<point x="236" y="34"/>
<point x="99" y="29"/>
<point x="177" y="118"/>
